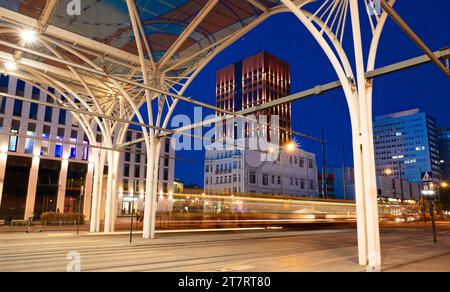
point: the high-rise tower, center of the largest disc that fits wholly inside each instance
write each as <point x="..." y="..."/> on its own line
<point x="254" y="81"/>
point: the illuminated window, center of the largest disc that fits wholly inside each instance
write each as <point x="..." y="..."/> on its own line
<point x="29" y="142"/>
<point x="13" y="139"/>
<point x="85" y="151"/>
<point x="58" y="150"/>
<point x="73" y="148"/>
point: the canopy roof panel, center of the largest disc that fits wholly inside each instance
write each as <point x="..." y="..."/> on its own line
<point x="31" y="8"/>
<point x="108" y="21"/>
<point x="97" y="53"/>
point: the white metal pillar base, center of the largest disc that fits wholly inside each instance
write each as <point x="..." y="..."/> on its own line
<point x="110" y="204"/>
<point x="62" y="185"/>
<point x="88" y="190"/>
<point x="32" y="187"/>
<point x="3" y="160"/>
<point x="360" y="115"/>
<point x="368" y="172"/>
<point x="150" y="194"/>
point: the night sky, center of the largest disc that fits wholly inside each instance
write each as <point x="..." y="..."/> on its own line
<point x="284" y="36"/>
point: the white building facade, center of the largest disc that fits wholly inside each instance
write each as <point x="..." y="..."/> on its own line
<point x="248" y="172"/>
<point x="45" y="159"/>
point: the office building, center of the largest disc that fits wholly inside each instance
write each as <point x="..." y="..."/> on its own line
<point x="406" y="145"/>
<point x="248" y="83"/>
<point x="244" y="171"/>
<point x="343" y="188"/>
<point x="45" y="159"/>
<point x="444" y="153"/>
<point x="253" y="81"/>
<point x="340" y="183"/>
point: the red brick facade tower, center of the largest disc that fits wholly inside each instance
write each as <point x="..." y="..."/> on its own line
<point x="254" y="81"/>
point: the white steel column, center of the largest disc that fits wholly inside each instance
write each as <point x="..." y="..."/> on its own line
<point x="155" y="186"/>
<point x="3" y="160"/>
<point x="150" y="196"/>
<point x="88" y="188"/>
<point x="62" y="185"/>
<point x="32" y="187"/>
<point x="368" y="166"/>
<point x="94" y="204"/>
<point x="96" y="191"/>
<point x="116" y="157"/>
<point x="110" y="204"/>
<point x="100" y="191"/>
<point x="361" y="119"/>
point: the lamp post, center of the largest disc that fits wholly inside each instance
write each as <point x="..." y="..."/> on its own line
<point x="441" y="184"/>
<point x="132" y="211"/>
<point x="324" y="167"/>
<point x="79" y="208"/>
<point x="289" y="148"/>
<point x="430" y="194"/>
<point x="387" y="172"/>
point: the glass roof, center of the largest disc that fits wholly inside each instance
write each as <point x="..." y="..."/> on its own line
<point x="108" y="21"/>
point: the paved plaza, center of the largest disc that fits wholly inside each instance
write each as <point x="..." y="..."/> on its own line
<point x="408" y="248"/>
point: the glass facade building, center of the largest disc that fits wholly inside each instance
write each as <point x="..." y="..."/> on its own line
<point x="444" y="153"/>
<point x="406" y="144"/>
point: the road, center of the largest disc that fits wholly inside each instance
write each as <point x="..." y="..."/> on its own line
<point x="403" y="249"/>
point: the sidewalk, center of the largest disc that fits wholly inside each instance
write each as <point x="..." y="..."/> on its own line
<point x="403" y="249"/>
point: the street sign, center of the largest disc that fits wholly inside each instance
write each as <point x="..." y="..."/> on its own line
<point x="427" y="177"/>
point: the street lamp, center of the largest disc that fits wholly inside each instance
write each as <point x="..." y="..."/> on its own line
<point x="390" y="172"/>
<point x="291" y="147"/>
<point x="135" y="187"/>
<point x="387" y="172"/>
<point x="429" y="193"/>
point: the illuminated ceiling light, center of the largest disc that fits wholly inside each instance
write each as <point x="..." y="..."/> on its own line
<point x="10" y="66"/>
<point x="28" y="36"/>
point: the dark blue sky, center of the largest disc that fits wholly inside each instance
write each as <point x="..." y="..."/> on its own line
<point x="284" y="36"/>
